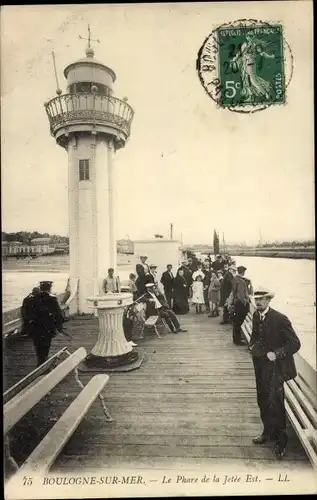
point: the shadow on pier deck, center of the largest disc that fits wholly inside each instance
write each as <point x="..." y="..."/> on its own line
<point x="192" y="402"/>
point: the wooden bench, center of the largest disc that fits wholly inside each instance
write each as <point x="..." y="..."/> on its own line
<point x="23" y="396"/>
<point x="300" y="400"/>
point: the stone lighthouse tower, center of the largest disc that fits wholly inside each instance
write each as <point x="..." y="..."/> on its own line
<point x="91" y="124"/>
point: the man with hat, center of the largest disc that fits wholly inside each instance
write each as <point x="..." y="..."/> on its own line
<point x="47" y="318"/>
<point x="240" y="302"/>
<point x="157" y="304"/>
<point x="273" y="344"/>
<point x="225" y="290"/>
<point x="142" y="270"/>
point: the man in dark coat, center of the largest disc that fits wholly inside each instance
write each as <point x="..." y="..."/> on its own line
<point x="167" y="281"/>
<point x="142" y="270"/>
<point x="47" y="317"/>
<point x="273" y="344"/>
<point x="28" y="312"/>
<point x="240" y="301"/>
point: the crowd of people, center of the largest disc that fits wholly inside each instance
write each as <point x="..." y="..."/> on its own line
<point x="207" y="285"/>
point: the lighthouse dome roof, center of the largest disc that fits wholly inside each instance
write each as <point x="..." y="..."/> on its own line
<point x="92" y="62"/>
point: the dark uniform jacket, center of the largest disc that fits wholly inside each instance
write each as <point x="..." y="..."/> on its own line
<point x="48" y="316"/>
<point x="28" y="314"/>
<point x="275" y="334"/>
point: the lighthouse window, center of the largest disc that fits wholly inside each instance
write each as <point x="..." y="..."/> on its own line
<point x="85" y="87"/>
<point x="84" y="170"/>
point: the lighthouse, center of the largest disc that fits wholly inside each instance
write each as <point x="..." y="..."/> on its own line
<point x="91" y="124"/>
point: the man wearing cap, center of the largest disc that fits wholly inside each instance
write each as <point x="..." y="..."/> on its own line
<point x="27" y="312"/>
<point x="240" y="302"/>
<point x="156" y="304"/>
<point x="47" y="318"/>
<point x="273" y="343"/>
<point x="142" y="269"/>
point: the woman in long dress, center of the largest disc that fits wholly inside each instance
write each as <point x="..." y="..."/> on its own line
<point x="180" y="294"/>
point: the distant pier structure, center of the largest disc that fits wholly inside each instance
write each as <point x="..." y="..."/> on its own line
<point x="91" y="124"/>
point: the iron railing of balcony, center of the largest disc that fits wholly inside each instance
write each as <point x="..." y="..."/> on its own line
<point x="91" y="107"/>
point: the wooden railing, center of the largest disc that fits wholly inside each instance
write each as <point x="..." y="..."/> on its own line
<point x="300" y="399"/>
<point x="69" y="108"/>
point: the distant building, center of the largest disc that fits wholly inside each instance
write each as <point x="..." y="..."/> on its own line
<point x="125" y="246"/>
<point x="38" y="246"/>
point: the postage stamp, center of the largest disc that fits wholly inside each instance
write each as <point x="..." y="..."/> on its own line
<point x="246" y="66"/>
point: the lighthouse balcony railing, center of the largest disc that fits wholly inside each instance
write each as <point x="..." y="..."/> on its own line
<point x="69" y="108"/>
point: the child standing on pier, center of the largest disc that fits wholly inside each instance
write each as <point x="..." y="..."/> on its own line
<point x="214" y="295"/>
<point x="198" y="294"/>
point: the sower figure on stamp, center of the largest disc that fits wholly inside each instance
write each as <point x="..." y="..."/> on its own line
<point x="273" y="344"/>
<point x="47" y="318"/>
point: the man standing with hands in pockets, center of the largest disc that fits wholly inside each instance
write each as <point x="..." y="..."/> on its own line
<point x="273" y="343"/>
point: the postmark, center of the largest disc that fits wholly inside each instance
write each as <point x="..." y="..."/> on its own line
<point x="246" y="66"/>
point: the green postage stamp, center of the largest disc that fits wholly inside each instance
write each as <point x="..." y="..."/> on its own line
<point x="246" y="66"/>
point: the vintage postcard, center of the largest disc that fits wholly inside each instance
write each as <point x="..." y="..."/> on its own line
<point x="158" y="250"/>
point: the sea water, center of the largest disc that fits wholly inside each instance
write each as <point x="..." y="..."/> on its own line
<point x="292" y="281"/>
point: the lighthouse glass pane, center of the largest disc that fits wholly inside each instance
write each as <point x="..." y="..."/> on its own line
<point x="84" y="170"/>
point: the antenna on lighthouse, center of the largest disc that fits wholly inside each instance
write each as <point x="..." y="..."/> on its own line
<point x="58" y="90"/>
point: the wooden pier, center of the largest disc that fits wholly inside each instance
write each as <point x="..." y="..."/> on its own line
<point x="192" y="403"/>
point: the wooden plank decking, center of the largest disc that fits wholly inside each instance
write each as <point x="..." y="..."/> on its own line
<point x="192" y="402"/>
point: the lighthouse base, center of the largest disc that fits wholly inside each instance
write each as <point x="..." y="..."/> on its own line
<point x="123" y="363"/>
<point x="112" y="352"/>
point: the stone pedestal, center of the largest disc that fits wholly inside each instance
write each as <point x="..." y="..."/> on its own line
<point x="111" y="350"/>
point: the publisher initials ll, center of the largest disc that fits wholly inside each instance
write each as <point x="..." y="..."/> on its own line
<point x="282" y="478"/>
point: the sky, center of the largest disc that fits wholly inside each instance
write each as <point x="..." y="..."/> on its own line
<point x="187" y="161"/>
